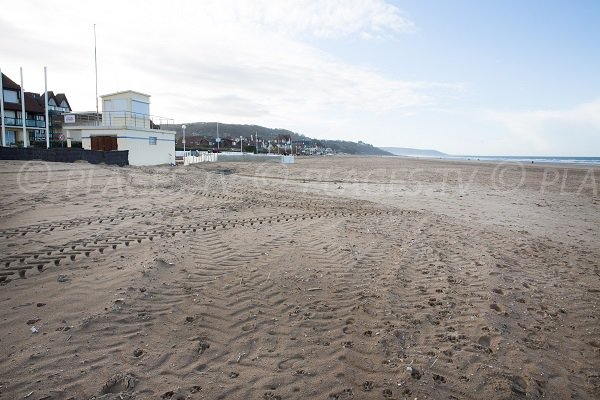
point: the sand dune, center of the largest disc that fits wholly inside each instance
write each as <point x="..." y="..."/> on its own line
<point x="333" y="278"/>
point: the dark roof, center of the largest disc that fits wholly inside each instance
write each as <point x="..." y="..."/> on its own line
<point x="50" y="96"/>
<point x="59" y="99"/>
<point x="32" y="103"/>
<point x="8" y="83"/>
<point x="39" y="98"/>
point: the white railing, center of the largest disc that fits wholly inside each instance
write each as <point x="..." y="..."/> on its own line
<point x="137" y="120"/>
<point x="120" y="118"/>
<point x="224" y="157"/>
<point x="202" y="157"/>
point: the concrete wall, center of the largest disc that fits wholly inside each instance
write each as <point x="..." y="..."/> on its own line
<point x="141" y="152"/>
<point x="73" y="135"/>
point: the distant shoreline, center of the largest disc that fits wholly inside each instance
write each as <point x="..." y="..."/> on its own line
<point x="522" y="159"/>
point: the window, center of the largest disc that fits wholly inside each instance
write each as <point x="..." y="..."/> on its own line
<point x="11" y="96"/>
<point x="139" y="107"/>
<point x="152" y="140"/>
<point x="10" y="117"/>
<point x="115" y="105"/>
<point x="37" y="136"/>
<point x="10" y="138"/>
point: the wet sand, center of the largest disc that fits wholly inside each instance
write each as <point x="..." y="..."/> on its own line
<point x="333" y="278"/>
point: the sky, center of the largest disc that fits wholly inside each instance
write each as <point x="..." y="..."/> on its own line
<point x="464" y="77"/>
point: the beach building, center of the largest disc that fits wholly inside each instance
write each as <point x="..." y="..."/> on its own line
<point x="125" y="124"/>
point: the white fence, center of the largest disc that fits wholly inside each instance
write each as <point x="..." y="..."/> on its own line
<point x="239" y="157"/>
<point x="262" y="158"/>
<point x="203" y="157"/>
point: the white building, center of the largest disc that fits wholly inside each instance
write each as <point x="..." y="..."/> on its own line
<point x="126" y="124"/>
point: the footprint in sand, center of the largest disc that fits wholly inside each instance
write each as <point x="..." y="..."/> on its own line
<point x="498" y="309"/>
<point x="271" y="396"/>
<point x="118" y="383"/>
<point x="519" y="385"/>
<point x="348" y="330"/>
<point x="203" y="346"/>
<point x="367" y="386"/>
<point x="484" y="341"/>
<point x="138" y="353"/>
<point x="344" y="394"/>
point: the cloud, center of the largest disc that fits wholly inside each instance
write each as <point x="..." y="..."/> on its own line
<point x="238" y="61"/>
<point x="553" y="131"/>
<point x="332" y="18"/>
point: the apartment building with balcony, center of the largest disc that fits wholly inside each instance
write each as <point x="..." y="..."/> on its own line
<point x="35" y="119"/>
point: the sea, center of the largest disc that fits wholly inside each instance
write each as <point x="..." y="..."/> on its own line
<point x="523" y="159"/>
<point x="535" y="159"/>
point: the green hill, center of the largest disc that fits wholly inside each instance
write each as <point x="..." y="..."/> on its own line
<point x="236" y="130"/>
<point x="233" y="130"/>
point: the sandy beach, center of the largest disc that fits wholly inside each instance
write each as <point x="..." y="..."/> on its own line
<point x="332" y="278"/>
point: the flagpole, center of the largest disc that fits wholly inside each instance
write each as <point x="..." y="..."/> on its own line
<point x="23" y="114"/>
<point x="96" y="70"/>
<point x="2" y="109"/>
<point x="46" y="107"/>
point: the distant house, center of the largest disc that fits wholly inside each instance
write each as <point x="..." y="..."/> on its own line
<point x="205" y="141"/>
<point x="196" y="141"/>
<point x="283" y="139"/>
<point x="227" y="142"/>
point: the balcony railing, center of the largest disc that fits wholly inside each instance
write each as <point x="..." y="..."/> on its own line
<point x="119" y="119"/>
<point x="34" y="123"/>
<point x="10" y="121"/>
<point x="29" y="123"/>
